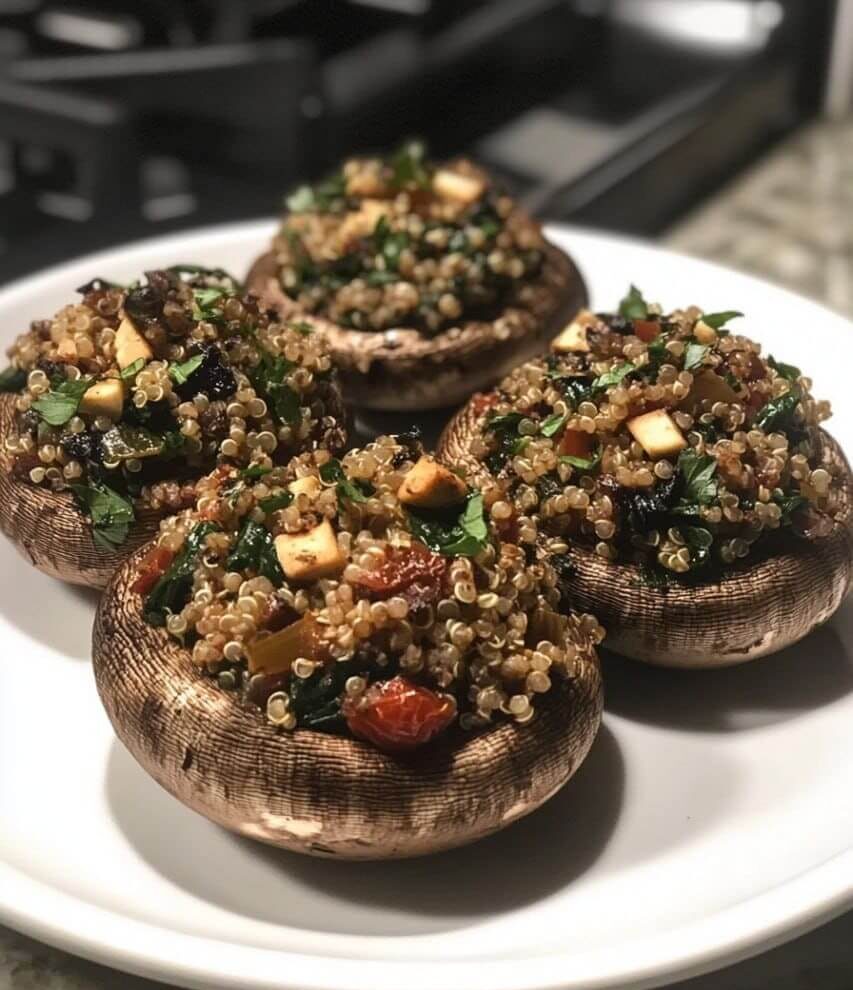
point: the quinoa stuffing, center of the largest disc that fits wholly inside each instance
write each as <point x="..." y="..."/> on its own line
<point x="126" y="396"/>
<point x="368" y="596"/>
<point x="667" y="441"/>
<point x="405" y="243"/>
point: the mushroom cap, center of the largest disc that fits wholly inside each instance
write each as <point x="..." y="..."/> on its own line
<point x="405" y="370"/>
<point x="758" y="607"/>
<point x="315" y="793"/>
<point x="48" y="528"/>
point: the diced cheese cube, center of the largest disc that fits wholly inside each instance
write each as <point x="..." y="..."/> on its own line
<point x="104" y="398"/>
<point x="310" y="556"/>
<point x="67" y="349"/>
<point x="308" y="485"/>
<point x="703" y="333"/>
<point x="572" y="339"/>
<point x="131" y="345"/>
<point x="657" y="434"/>
<point x="709" y="385"/>
<point x="363" y="222"/>
<point x="458" y="188"/>
<point x="431" y="485"/>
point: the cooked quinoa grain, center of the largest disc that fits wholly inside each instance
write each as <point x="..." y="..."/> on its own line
<point x="334" y="602"/>
<point x="131" y="393"/>
<point x="404" y="243"/>
<point x="669" y="441"/>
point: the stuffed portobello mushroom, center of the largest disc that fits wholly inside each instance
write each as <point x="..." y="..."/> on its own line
<point x="706" y="515"/>
<point x="429" y="282"/>
<point x="348" y="658"/>
<point x="117" y="405"/>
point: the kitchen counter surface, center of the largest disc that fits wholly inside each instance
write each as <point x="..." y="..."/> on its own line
<point x="789" y="219"/>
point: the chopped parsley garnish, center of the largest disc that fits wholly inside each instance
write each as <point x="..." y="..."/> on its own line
<point x="409" y="166"/>
<point x="111" y="514"/>
<point x="719" y="320"/>
<point x="634" y="306"/>
<point x="326" y="196"/>
<point x="694" y="355"/>
<point x="699" y="476"/>
<point x="180" y="373"/>
<point x="552" y="424"/>
<point x="254" y="471"/>
<point x="450" y="532"/>
<point x="203" y="304"/>
<point x="268" y="379"/>
<point x="778" y="413"/>
<point x="787" y="371"/>
<point x="62" y="401"/>
<point x="582" y="463"/>
<point x="275" y="502"/>
<point x="614" y="376"/>
<point x="132" y="370"/>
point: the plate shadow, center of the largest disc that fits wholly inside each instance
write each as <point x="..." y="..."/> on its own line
<point x="808" y="675"/>
<point x="560" y="842"/>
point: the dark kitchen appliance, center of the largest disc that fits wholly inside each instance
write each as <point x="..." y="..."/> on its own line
<point x="125" y="118"/>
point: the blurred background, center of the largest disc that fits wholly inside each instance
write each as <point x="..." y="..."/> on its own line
<point x="122" y="119"/>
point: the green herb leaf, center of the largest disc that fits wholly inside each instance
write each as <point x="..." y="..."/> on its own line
<point x="180" y="373"/>
<point x="409" y="166"/>
<point x="582" y="463"/>
<point x="111" y="514"/>
<point x="275" y="502"/>
<point x="552" y="424"/>
<point x="203" y="304"/>
<point x="268" y="378"/>
<point x="718" y="320"/>
<point x="300" y="326"/>
<point x="450" y="533"/>
<point x="614" y="376"/>
<point x="699" y="474"/>
<point x="788" y="371"/>
<point x="12" y="379"/>
<point x="172" y="445"/>
<point x="62" y="401"/>
<point x="778" y="413"/>
<point x="789" y="504"/>
<point x="355" y="491"/>
<point x="633" y="306"/>
<point x="132" y="370"/>
<point x="694" y="355"/>
<point x="254" y="471"/>
<point x="325" y="196"/>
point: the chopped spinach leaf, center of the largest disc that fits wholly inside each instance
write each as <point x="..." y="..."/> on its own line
<point x="203" y="304"/>
<point x="254" y="471"/>
<point x="450" y="532"/>
<point x="700" y="541"/>
<point x="582" y="463"/>
<point x="789" y="504"/>
<point x="12" y="379"/>
<point x="62" y="401"/>
<point x="275" y="502"/>
<point x="326" y="196"/>
<point x="268" y="378"/>
<point x="255" y="550"/>
<point x="111" y="514"/>
<point x="633" y="306"/>
<point x="788" y="371"/>
<point x="174" y="588"/>
<point x="778" y="413"/>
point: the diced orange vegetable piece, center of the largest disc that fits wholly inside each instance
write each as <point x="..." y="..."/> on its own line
<point x="151" y="568"/>
<point x="575" y="443"/>
<point x="275" y="654"/>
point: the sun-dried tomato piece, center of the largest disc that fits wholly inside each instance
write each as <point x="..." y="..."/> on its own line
<point x="151" y="568"/>
<point x="481" y="401"/>
<point x="398" y="715"/>
<point x="575" y="443"/>
<point x="646" y="330"/>
<point x="413" y="572"/>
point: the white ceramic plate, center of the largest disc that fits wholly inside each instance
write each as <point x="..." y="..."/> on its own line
<point x="712" y="819"/>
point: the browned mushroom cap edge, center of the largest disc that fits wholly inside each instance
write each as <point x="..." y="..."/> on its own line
<point x="49" y="529"/>
<point x="756" y="609"/>
<point x="403" y="369"/>
<point x="315" y="793"/>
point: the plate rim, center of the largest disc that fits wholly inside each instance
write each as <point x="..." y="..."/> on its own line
<point x="718" y="939"/>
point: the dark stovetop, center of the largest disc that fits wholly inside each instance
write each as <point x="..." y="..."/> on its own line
<point x="125" y="118"/>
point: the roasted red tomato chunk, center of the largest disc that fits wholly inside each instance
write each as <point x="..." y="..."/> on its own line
<point x="407" y="569"/>
<point x="151" y="568"/>
<point x="398" y="715"/>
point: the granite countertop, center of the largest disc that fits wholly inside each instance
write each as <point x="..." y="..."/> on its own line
<point x="790" y="220"/>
